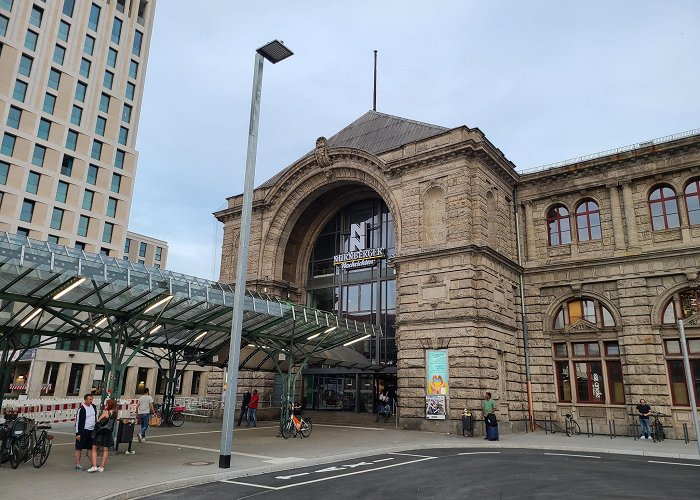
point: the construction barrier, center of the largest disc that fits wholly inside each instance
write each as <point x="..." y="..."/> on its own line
<point x="61" y="410"/>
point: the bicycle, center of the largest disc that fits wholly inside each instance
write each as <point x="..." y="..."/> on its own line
<point x="173" y="418"/>
<point x="657" y="428"/>
<point x="571" y="425"/>
<point x="294" y="425"/>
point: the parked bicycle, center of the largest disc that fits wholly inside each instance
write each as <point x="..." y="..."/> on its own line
<point x="657" y="428"/>
<point x="295" y="425"/>
<point x="571" y="426"/>
<point x="26" y="440"/>
<point x="172" y="418"/>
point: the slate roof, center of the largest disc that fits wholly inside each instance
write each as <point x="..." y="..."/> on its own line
<point x="376" y="133"/>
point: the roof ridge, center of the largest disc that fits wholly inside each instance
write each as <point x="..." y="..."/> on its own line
<point x="417" y="122"/>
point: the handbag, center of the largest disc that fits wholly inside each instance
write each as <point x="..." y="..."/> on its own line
<point x="154" y="421"/>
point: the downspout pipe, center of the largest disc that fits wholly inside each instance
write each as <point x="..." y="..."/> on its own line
<point x="523" y="316"/>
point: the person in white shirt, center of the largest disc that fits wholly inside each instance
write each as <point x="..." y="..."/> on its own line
<point x="84" y="425"/>
<point x="146" y="409"/>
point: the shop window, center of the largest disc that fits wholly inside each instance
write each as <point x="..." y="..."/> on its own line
<point x="663" y="207"/>
<point x="676" y="370"/>
<point x="141" y="380"/>
<point x="196" y="381"/>
<point x="76" y="375"/>
<point x="558" y="226"/>
<point x="588" y="221"/>
<point x="48" y="385"/>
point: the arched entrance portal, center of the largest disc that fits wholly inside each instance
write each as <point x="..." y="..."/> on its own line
<point x="346" y="271"/>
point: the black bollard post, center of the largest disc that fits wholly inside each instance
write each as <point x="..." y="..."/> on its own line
<point x="610" y="428"/>
<point x="686" y="438"/>
<point x="614" y="431"/>
<point x="592" y="430"/>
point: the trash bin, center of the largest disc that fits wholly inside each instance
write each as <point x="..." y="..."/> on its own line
<point x="467" y="423"/>
<point x="125" y="434"/>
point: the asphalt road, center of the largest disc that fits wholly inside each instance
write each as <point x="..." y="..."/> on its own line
<point x="461" y="474"/>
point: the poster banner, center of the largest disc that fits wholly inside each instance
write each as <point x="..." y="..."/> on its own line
<point x="437" y="369"/>
<point x="435" y="407"/>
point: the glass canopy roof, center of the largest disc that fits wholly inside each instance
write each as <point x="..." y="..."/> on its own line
<point x="49" y="290"/>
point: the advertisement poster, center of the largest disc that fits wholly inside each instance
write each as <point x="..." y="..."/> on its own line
<point x="437" y="368"/>
<point x="435" y="407"/>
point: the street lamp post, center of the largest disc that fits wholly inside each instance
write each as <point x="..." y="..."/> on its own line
<point x="689" y="381"/>
<point x="273" y="52"/>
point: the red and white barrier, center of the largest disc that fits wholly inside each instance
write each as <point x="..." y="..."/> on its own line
<point x="61" y="410"/>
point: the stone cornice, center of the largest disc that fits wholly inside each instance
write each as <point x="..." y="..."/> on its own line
<point x="442" y="252"/>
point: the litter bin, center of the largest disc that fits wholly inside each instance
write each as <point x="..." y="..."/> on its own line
<point x="467" y="423"/>
<point x="125" y="434"/>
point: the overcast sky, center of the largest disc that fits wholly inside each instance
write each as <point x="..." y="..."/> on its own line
<point x="544" y="80"/>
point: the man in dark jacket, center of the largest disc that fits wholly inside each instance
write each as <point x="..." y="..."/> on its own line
<point x="244" y="406"/>
<point x="84" y="425"/>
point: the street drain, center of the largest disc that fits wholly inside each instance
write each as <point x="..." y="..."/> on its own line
<point x="198" y="464"/>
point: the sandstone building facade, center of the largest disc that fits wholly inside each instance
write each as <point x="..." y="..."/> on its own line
<point x="605" y="252"/>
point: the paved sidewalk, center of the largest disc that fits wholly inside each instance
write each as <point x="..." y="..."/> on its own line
<point x="189" y="455"/>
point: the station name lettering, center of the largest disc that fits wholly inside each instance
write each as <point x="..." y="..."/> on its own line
<point x="359" y="258"/>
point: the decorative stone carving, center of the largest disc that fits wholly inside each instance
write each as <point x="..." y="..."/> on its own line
<point x="322" y="157"/>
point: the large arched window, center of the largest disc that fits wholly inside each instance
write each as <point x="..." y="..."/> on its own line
<point x="663" y="206"/>
<point x="692" y="201"/>
<point x="558" y="226"/>
<point x="588" y="221"/>
<point x="586" y="354"/>
<point x="683" y="304"/>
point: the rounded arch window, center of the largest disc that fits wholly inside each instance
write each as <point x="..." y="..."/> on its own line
<point x="558" y="226"/>
<point x="687" y="303"/>
<point x="588" y="221"/>
<point x="692" y="201"/>
<point x="663" y="206"/>
<point x="588" y="310"/>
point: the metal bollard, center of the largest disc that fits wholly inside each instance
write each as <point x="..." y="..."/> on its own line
<point x="614" y="431"/>
<point x="592" y="430"/>
<point x="686" y="438"/>
<point x="546" y="430"/>
<point x="610" y="429"/>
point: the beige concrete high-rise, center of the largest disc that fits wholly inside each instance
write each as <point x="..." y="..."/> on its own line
<point x="71" y="83"/>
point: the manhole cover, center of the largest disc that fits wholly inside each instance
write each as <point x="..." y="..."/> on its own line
<point x="198" y="464"/>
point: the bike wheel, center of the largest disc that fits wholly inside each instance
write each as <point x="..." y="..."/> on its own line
<point x="575" y="428"/>
<point x="306" y="426"/>
<point x="16" y="453"/>
<point x="287" y="429"/>
<point x="176" y="419"/>
<point x="41" y="452"/>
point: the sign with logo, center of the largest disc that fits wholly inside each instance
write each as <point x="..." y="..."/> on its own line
<point x="359" y="255"/>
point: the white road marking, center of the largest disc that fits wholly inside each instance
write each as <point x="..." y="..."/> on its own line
<point x="480" y="453"/>
<point x="410" y="455"/>
<point x="231" y="481"/>
<point x="382" y="460"/>
<point x="570" y="455"/>
<point x="360" y="464"/>
<point x="325" y="478"/>
<point x="672" y="463"/>
<point x="293" y="475"/>
<point x="331" y="469"/>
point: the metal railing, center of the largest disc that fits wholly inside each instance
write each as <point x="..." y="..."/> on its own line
<point x="609" y="152"/>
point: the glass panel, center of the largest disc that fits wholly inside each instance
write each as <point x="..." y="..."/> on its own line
<point x="676" y="374"/>
<point x="617" y="387"/>
<point x="560" y="350"/>
<point x="673" y="347"/>
<point x="612" y="349"/>
<point x="607" y="317"/>
<point x="563" y="381"/>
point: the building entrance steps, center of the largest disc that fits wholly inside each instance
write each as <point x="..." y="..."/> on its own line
<point x="178" y="457"/>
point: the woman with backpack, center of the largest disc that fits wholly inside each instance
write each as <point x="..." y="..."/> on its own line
<point x="103" y="434"/>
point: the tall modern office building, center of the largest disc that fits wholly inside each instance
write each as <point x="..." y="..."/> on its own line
<point x="71" y="83"/>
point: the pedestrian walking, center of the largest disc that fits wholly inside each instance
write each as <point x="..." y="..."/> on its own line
<point x="253" y="409"/>
<point x="84" y="425"/>
<point x="644" y="410"/>
<point x="146" y="409"/>
<point x="103" y="434"/>
<point x="244" y="407"/>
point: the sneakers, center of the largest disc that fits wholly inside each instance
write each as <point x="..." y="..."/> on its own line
<point x="138" y="436"/>
<point x="100" y="469"/>
<point x="93" y="469"/>
<point x="79" y="467"/>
